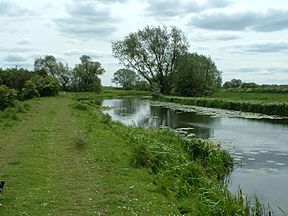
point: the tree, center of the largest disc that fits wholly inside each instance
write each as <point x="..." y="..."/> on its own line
<point x="197" y="75"/>
<point x="50" y="66"/>
<point x="46" y="66"/>
<point x="125" y="77"/>
<point x="85" y="75"/>
<point x="153" y="52"/>
<point x="234" y="83"/>
<point x="64" y="75"/>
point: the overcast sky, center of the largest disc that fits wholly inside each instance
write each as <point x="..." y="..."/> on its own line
<point x="246" y="39"/>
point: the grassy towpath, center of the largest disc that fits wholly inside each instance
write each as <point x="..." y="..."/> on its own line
<point x="65" y="157"/>
<point x="47" y="172"/>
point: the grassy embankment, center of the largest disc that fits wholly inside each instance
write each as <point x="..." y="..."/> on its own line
<point x="265" y="103"/>
<point x="64" y="157"/>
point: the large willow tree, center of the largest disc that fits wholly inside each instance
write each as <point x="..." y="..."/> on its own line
<point x="153" y="52"/>
<point x="197" y="75"/>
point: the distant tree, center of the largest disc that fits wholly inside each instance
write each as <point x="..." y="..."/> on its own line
<point x="234" y="83"/>
<point x="197" y="75"/>
<point x="142" y="85"/>
<point x="46" y="66"/>
<point x="153" y="52"/>
<point x="57" y="69"/>
<point x="85" y="75"/>
<point x="227" y="85"/>
<point x="64" y="75"/>
<point x="125" y="78"/>
<point x="249" y="85"/>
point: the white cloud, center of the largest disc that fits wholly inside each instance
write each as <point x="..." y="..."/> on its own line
<point x="15" y="58"/>
<point x="13" y="9"/>
<point x="171" y="8"/>
<point x="87" y="19"/>
<point x="263" y="21"/>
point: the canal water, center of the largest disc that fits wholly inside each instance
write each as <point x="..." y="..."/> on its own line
<point x="260" y="146"/>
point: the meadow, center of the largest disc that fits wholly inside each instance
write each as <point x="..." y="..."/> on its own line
<point x="63" y="156"/>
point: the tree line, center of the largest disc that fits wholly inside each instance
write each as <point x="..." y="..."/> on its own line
<point x="160" y="56"/>
<point x="155" y="58"/>
<point x="48" y="78"/>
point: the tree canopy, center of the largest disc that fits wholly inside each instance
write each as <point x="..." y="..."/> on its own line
<point x="153" y="52"/>
<point x="234" y="83"/>
<point x="197" y="75"/>
<point x="125" y="78"/>
<point x="86" y="74"/>
<point x="57" y="69"/>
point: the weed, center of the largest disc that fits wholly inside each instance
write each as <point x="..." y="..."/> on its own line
<point x="80" y="142"/>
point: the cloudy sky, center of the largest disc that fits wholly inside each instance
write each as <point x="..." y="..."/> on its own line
<point x="246" y="39"/>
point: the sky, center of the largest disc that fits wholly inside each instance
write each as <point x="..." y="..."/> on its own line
<point x="246" y="39"/>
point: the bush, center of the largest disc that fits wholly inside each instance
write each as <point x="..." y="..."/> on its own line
<point x="30" y="90"/>
<point x="7" y="97"/>
<point x="47" y="85"/>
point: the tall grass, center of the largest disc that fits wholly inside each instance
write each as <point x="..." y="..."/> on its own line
<point x="13" y="114"/>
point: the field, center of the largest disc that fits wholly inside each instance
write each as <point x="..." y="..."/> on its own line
<point x="264" y="97"/>
<point x="62" y="156"/>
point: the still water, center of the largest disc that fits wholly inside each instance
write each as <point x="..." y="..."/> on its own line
<point x="259" y="145"/>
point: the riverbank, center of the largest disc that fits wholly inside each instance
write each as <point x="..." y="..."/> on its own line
<point x="65" y="157"/>
<point x="269" y="104"/>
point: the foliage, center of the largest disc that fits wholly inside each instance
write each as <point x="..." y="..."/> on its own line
<point x="15" y="77"/>
<point x="153" y="52"/>
<point x="30" y="90"/>
<point x="234" y="83"/>
<point x="50" y="66"/>
<point x="142" y="85"/>
<point x="197" y="75"/>
<point x="249" y="85"/>
<point x="64" y="75"/>
<point x="125" y="78"/>
<point x="46" y="66"/>
<point x="7" y="97"/>
<point x="46" y="85"/>
<point x="85" y="75"/>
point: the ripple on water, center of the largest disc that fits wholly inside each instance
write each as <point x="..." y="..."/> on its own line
<point x="280" y="164"/>
<point x="270" y="161"/>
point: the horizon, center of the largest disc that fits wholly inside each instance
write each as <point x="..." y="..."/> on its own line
<point x="246" y="40"/>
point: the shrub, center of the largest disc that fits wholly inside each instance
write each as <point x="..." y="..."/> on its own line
<point x="30" y="90"/>
<point x="47" y="85"/>
<point x="7" y="97"/>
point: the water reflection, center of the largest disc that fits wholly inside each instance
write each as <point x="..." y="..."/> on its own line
<point x="260" y="146"/>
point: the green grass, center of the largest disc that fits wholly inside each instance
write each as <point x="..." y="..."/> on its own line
<point x="265" y="103"/>
<point x="264" y="97"/>
<point x="64" y="157"/>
